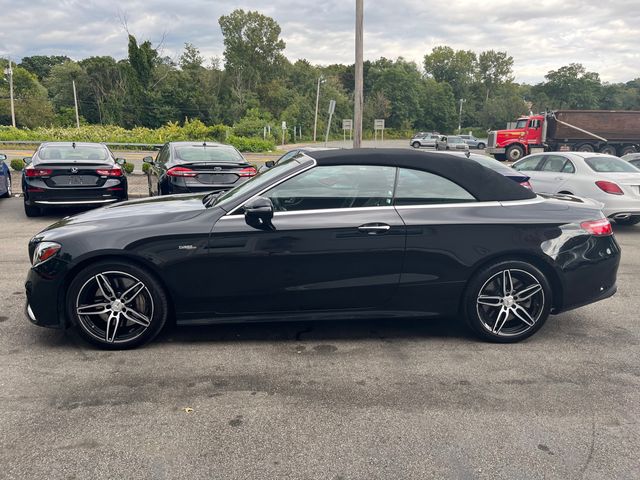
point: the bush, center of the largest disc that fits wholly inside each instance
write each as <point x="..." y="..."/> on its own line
<point x="128" y="168"/>
<point x="17" y="164"/>
<point x="145" y="168"/>
<point x="253" y="145"/>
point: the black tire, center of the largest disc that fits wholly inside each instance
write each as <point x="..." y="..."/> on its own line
<point x="507" y="327"/>
<point x="632" y="220"/>
<point x="608" y="150"/>
<point x="586" y="147"/>
<point x="481" y="146"/>
<point x="32" y="210"/>
<point x="415" y="144"/>
<point x="514" y="153"/>
<point x="7" y="194"/>
<point x="128" y="323"/>
<point x="627" y="150"/>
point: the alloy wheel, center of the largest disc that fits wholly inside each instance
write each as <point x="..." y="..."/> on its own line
<point x="114" y="307"/>
<point x="9" y="191"/>
<point x="510" y="303"/>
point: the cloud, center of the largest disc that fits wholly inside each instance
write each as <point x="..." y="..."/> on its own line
<point x="541" y="36"/>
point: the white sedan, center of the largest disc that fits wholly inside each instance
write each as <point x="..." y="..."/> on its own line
<point x="604" y="178"/>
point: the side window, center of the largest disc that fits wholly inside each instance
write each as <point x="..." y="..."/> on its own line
<point x="528" y="164"/>
<point x="339" y="186"/>
<point x="163" y="155"/>
<point x="416" y="187"/>
<point x="568" y="167"/>
<point x="554" y="163"/>
<point x="287" y="156"/>
<point x="534" y="124"/>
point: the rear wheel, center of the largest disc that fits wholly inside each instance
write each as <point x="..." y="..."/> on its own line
<point x="415" y="144"/>
<point x="608" y="150"/>
<point x="632" y="220"/>
<point x="481" y="146"/>
<point x="7" y="193"/>
<point x="116" y="305"/>
<point x="586" y="147"/>
<point x="514" y="153"/>
<point x="507" y="302"/>
<point x="627" y="150"/>
<point x="32" y="210"/>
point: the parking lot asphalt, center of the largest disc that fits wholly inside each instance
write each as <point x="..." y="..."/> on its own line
<point x="336" y="400"/>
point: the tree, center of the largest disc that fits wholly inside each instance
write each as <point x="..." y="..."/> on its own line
<point x="455" y="67"/>
<point x="494" y="69"/>
<point x="41" y="65"/>
<point x="32" y="106"/>
<point x="572" y="86"/>
<point x="191" y="58"/>
<point x="252" y="47"/>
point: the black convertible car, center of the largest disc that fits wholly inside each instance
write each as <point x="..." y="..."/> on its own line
<point x="65" y="174"/>
<point x="326" y="235"/>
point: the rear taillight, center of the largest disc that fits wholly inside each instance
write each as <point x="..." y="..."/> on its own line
<point x="598" y="228"/>
<point x="609" y="187"/>
<point x="110" y="172"/>
<point x="248" y="172"/>
<point x="526" y="184"/>
<point x="181" y="172"/>
<point x="32" y="172"/>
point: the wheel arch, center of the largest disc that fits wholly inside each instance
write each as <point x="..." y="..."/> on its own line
<point x="139" y="262"/>
<point x="520" y="256"/>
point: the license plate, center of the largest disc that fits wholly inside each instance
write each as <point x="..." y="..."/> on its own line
<point x="75" y="181"/>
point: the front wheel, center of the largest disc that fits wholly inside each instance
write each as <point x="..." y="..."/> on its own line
<point x="514" y="153"/>
<point x="116" y="305"/>
<point x="415" y="144"/>
<point x="481" y="146"/>
<point x="507" y="302"/>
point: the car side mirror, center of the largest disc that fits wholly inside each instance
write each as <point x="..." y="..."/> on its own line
<point x="2" y="157"/>
<point x="258" y="213"/>
<point x="270" y="164"/>
<point x="148" y="160"/>
<point x="27" y="160"/>
<point x="120" y="161"/>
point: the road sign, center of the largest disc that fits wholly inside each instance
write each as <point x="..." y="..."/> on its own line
<point x="347" y="124"/>
<point x="332" y="107"/>
<point x="284" y="125"/>
<point x="378" y="124"/>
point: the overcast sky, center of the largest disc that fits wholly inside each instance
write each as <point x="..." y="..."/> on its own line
<point x="540" y="35"/>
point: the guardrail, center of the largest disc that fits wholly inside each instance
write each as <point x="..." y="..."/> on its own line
<point x="108" y="144"/>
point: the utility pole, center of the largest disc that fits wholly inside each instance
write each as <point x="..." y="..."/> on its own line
<point x="315" y="121"/>
<point x="75" y="99"/>
<point x="462" y="100"/>
<point x="9" y="72"/>
<point x="358" y="93"/>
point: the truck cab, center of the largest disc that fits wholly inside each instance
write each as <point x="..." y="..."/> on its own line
<point x="513" y="144"/>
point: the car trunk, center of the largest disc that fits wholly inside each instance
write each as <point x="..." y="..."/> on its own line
<point x="629" y="181"/>
<point x="76" y="175"/>
<point x="215" y="173"/>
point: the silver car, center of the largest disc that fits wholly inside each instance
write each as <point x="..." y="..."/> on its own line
<point x="607" y="179"/>
<point x="474" y="142"/>
<point x="633" y="159"/>
<point x="424" y="140"/>
<point x="451" y="142"/>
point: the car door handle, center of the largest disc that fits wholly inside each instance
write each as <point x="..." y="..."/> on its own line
<point x="374" y="228"/>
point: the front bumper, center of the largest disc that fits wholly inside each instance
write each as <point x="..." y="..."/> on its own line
<point x="494" y="150"/>
<point x="45" y="303"/>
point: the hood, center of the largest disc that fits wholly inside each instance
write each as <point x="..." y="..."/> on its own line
<point x="136" y="213"/>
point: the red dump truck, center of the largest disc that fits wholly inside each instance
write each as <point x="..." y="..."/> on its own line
<point x="606" y="131"/>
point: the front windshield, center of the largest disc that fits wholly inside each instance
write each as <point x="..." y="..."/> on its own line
<point x="204" y="153"/>
<point x="522" y="123"/>
<point x="71" y="153"/>
<point x="260" y="180"/>
<point x="609" y="164"/>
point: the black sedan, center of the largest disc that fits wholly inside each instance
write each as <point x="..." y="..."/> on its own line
<point x="338" y="234"/>
<point x="64" y="174"/>
<point x="188" y="167"/>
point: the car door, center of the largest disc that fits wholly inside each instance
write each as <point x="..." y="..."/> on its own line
<point x="554" y="173"/>
<point x="530" y="165"/>
<point x="337" y="243"/>
<point x="156" y="170"/>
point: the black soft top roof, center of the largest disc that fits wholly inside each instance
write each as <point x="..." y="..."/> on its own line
<point x="483" y="183"/>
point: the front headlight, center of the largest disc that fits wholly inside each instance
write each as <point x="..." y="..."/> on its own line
<point x="44" y="251"/>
